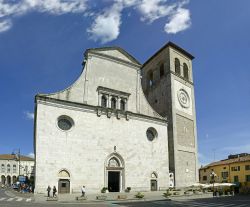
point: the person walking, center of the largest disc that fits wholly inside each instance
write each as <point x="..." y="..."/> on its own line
<point x="48" y="190"/>
<point x="54" y="191"/>
<point x="83" y="191"/>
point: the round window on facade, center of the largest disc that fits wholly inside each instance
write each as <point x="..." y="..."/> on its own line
<point x="65" y="123"/>
<point x="151" y="133"/>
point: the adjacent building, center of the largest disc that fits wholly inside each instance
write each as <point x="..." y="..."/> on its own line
<point x="235" y="169"/>
<point x="12" y="167"/>
<point x="121" y="124"/>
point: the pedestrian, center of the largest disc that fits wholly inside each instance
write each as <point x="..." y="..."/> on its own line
<point x="54" y="191"/>
<point x="49" y="189"/>
<point x="83" y="191"/>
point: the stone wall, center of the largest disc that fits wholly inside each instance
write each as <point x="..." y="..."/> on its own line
<point x="185" y="131"/>
<point x="83" y="150"/>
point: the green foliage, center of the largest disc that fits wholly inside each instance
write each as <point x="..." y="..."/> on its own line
<point x="104" y="189"/>
<point x="139" y="195"/>
<point x="167" y="193"/>
<point x="128" y="189"/>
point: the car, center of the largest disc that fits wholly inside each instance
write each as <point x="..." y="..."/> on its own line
<point x="15" y="187"/>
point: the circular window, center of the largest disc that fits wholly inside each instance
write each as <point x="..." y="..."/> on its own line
<point x="65" y="123"/>
<point x="151" y="134"/>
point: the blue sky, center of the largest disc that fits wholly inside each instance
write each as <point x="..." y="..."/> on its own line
<point x="42" y="45"/>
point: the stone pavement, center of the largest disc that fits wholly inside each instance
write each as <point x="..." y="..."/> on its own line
<point x="149" y="196"/>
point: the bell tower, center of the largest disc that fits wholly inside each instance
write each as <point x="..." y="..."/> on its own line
<point x="167" y="82"/>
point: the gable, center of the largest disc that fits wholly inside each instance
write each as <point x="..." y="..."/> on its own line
<point x="115" y="52"/>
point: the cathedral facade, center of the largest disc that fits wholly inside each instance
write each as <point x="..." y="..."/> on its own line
<point x="121" y="124"/>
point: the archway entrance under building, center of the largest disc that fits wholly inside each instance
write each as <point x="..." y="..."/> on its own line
<point x="14" y="179"/>
<point x="8" y="180"/>
<point x="3" y="179"/>
<point x="114" y="181"/>
<point x="64" y="182"/>
<point x="114" y="178"/>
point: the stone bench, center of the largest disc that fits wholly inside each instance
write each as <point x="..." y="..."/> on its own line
<point x="101" y="197"/>
<point x="52" y="199"/>
<point x="122" y="197"/>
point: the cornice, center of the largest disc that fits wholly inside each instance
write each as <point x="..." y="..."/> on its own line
<point x="100" y="111"/>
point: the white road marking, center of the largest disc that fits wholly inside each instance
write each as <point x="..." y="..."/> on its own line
<point x="28" y="200"/>
<point x="1" y="199"/>
<point x="19" y="199"/>
<point x="10" y="199"/>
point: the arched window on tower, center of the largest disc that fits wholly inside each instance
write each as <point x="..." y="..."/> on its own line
<point x="122" y="105"/>
<point x="185" y="71"/>
<point x="113" y="103"/>
<point x="104" y="101"/>
<point x="177" y="66"/>
<point x="161" y="70"/>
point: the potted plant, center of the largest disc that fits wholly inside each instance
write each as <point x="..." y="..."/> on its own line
<point x="104" y="190"/>
<point x="167" y="193"/>
<point x="139" y="195"/>
<point x="128" y="189"/>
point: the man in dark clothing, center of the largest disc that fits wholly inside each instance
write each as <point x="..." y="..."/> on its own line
<point x="54" y="191"/>
<point x="49" y="189"/>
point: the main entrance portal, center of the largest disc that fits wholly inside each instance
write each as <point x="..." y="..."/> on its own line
<point x="114" y="181"/>
<point x="114" y="173"/>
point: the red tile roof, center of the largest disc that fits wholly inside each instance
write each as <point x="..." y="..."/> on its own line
<point x="228" y="161"/>
<point x="13" y="157"/>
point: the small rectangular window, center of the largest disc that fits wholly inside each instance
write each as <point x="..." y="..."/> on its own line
<point x="236" y="178"/>
<point x="204" y="178"/>
<point x="247" y="178"/>
<point x="224" y="175"/>
<point x="236" y="168"/>
<point x="247" y="167"/>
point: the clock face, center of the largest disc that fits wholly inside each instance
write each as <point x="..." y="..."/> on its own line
<point x="183" y="98"/>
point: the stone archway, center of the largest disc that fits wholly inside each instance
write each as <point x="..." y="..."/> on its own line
<point x="8" y="180"/>
<point x="3" y="179"/>
<point x="64" y="181"/>
<point x="14" y="179"/>
<point x="153" y="182"/>
<point x="114" y="173"/>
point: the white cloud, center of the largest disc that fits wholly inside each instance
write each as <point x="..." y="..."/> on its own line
<point x="107" y="22"/>
<point x="154" y="9"/>
<point x="29" y="115"/>
<point x="106" y="26"/>
<point x="179" y="21"/>
<point x="5" y="25"/>
<point x="10" y="9"/>
<point x="31" y="154"/>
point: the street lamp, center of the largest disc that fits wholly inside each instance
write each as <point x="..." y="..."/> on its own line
<point x="17" y="154"/>
<point x="213" y="175"/>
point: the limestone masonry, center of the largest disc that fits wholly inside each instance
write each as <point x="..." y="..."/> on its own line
<point x="120" y="125"/>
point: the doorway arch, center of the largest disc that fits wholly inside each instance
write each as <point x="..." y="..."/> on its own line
<point x="153" y="181"/>
<point x="3" y="179"/>
<point x="63" y="181"/>
<point x="14" y="179"/>
<point x="8" y="180"/>
<point x="114" y="172"/>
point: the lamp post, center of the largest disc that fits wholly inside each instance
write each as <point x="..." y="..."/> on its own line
<point x="17" y="154"/>
<point x="213" y="175"/>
